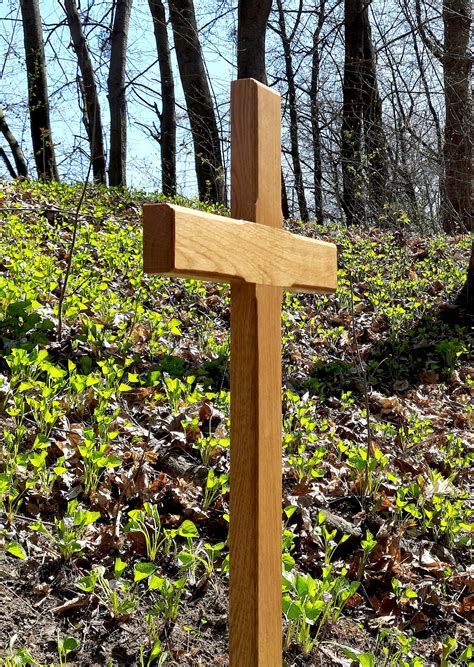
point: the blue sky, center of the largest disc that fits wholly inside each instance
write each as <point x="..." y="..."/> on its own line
<point x="68" y="132"/>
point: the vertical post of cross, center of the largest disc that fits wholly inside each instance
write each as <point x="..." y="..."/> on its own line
<point x="255" y="459"/>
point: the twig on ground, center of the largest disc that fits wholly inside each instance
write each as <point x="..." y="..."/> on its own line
<point x="72" y="246"/>
<point x="365" y="385"/>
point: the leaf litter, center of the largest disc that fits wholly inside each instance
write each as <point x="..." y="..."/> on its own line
<point x="129" y="411"/>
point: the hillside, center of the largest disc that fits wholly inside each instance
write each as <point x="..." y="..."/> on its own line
<point x="115" y="448"/>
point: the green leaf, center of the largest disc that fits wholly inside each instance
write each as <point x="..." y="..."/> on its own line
<point x="188" y="529"/>
<point x="143" y="571"/>
<point x="38" y="526"/>
<point x="410" y="593"/>
<point x="15" y="549"/>
<point x="363" y="659"/>
<point x="155" y="583"/>
<point x="301" y="586"/>
<point x="112" y="461"/>
<point x="69" y="644"/>
<point x="466" y="654"/>
<point x="24" y="386"/>
<point x="37" y="459"/>
<point x="55" y="372"/>
<point x="290" y="510"/>
<point x="87" y="584"/>
<point x="155" y="651"/>
<point x="292" y="610"/>
<point x="119" y="567"/>
<point x="91" y="517"/>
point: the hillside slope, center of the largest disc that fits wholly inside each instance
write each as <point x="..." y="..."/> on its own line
<point x="114" y="456"/>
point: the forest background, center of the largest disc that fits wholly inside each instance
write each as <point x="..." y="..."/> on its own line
<point x="114" y="385"/>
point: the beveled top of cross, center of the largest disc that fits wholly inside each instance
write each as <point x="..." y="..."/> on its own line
<point x="182" y="242"/>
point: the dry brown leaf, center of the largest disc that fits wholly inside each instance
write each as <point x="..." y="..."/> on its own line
<point x="466" y="605"/>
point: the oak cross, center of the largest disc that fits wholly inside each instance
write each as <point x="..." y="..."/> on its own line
<point x="258" y="260"/>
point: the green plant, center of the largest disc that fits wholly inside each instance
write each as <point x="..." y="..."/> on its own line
<point x="327" y="538"/>
<point x="449" y="646"/>
<point x="308" y="604"/>
<point x="368" y="545"/>
<point x="176" y="390"/>
<point x="403" y="594"/>
<point x="450" y="351"/>
<point x="305" y="465"/>
<point x="156" y="656"/>
<point x="17" y="657"/>
<point x="148" y="523"/>
<point x="68" y="531"/>
<point x="205" y="555"/>
<point x="166" y="598"/>
<point x="96" y="458"/>
<point x="215" y="485"/>
<point x="208" y="447"/>
<point x="66" y="645"/>
<point x="361" y="658"/>
<point x="117" y="595"/>
<point x="392" y="649"/>
<point x="369" y="468"/>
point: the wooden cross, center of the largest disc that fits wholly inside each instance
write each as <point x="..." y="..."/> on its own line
<point x="258" y="260"/>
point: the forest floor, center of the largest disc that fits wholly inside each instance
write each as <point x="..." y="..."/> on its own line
<point x="115" y="448"/>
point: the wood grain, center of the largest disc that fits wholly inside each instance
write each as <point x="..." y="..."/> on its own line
<point x="258" y="260"/>
<point x="183" y="242"/>
<point x="255" y="456"/>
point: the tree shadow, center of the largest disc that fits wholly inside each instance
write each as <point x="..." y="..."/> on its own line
<point x="426" y="353"/>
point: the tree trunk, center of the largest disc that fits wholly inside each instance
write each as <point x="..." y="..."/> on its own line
<point x="352" y="110"/>
<point x="375" y="141"/>
<point x="20" y="162"/>
<point x="457" y="209"/>
<point x="92" y="117"/>
<point x="434" y="113"/>
<point x="251" y="33"/>
<point x="8" y="164"/>
<point x="294" y="120"/>
<point x="315" y="127"/>
<point x="168" y="107"/>
<point x="252" y="29"/>
<point x="207" y="148"/>
<point x="362" y="126"/>
<point x="116" y="94"/>
<point x="38" y="103"/>
<point x="466" y="297"/>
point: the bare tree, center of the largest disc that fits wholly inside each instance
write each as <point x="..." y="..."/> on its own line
<point x="19" y="158"/>
<point x="364" y="150"/>
<point x="294" y="119"/>
<point x="207" y="147"/>
<point x="375" y="141"/>
<point x="38" y="104"/>
<point x="8" y="163"/>
<point x="457" y="209"/>
<point x="315" y="121"/>
<point x="458" y="131"/>
<point x="352" y="110"/>
<point x="252" y="29"/>
<point x="251" y="35"/>
<point x="92" y="116"/>
<point x="167" y="116"/>
<point x="116" y="93"/>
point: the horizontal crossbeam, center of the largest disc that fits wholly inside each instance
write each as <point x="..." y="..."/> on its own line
<point x="182" y="242"/>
